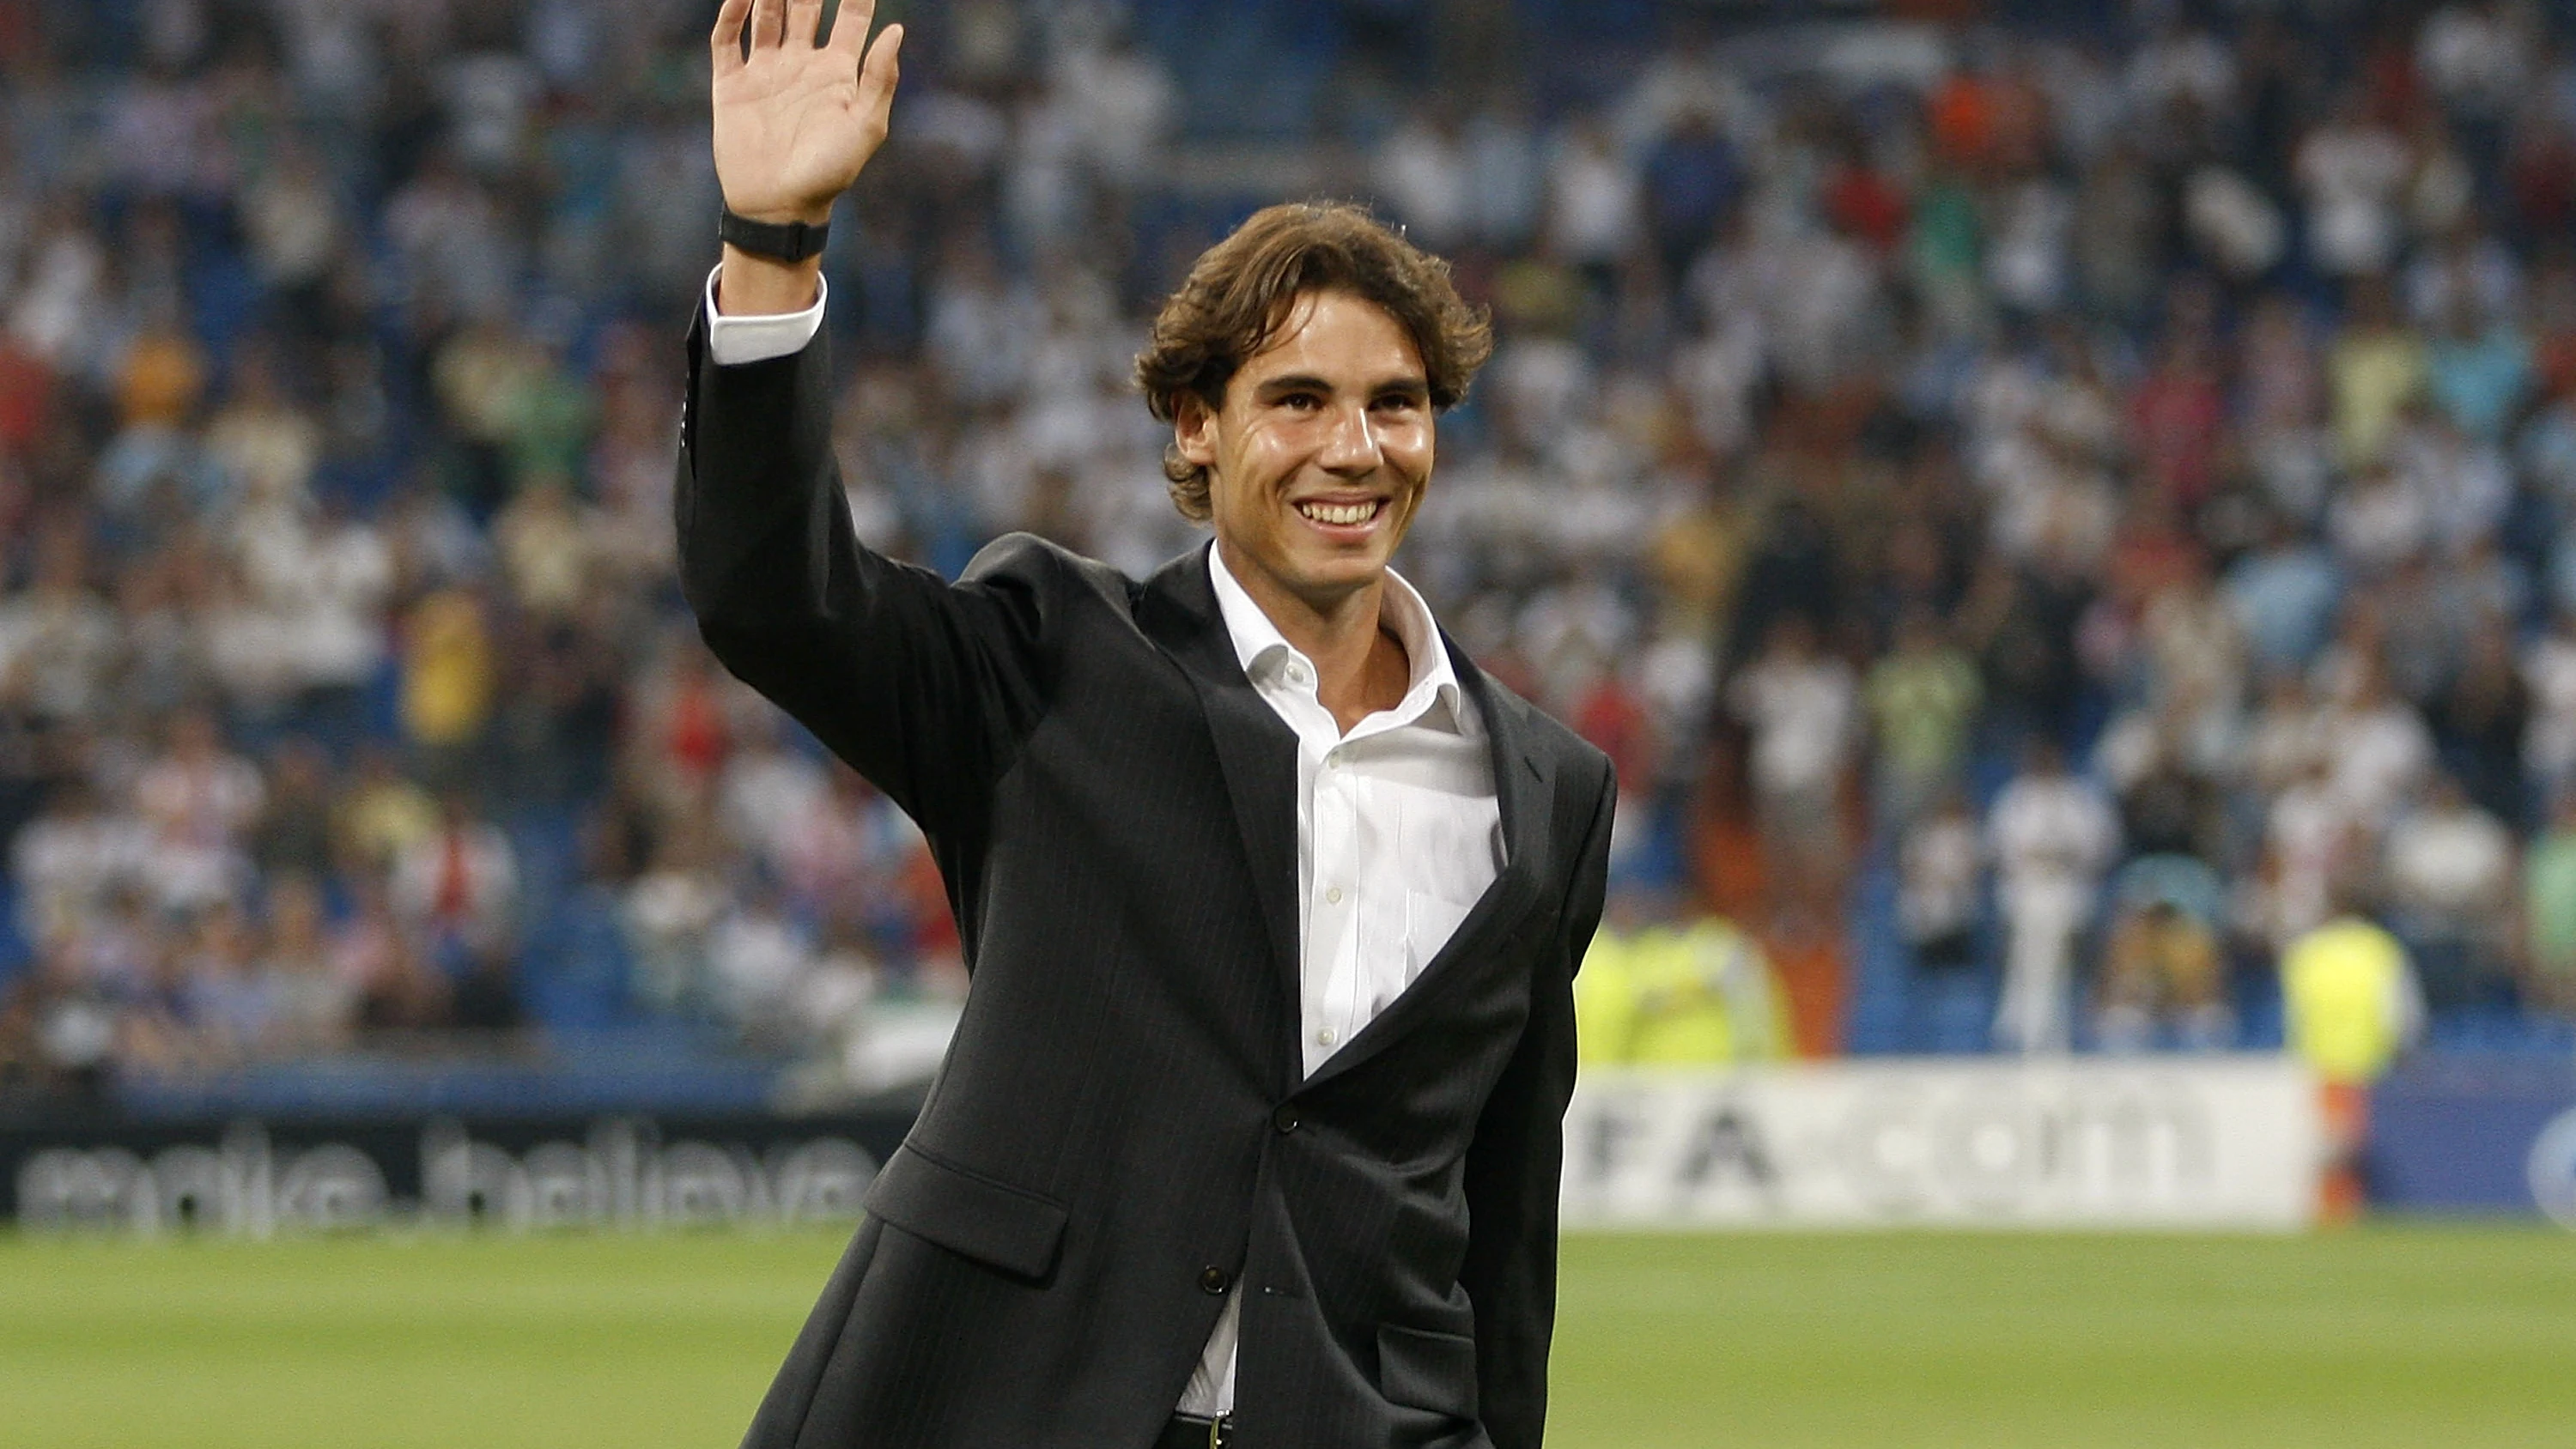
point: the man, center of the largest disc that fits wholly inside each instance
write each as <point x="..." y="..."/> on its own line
<point x="2053" y="835"/>
<point x="2352" y="1007"/>
<point x="1250" y="1132"/>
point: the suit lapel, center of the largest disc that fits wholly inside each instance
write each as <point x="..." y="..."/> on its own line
<point x="1524" y="786"/>
<point x="1256" y="750"/>
<point x="1258" y="754"/>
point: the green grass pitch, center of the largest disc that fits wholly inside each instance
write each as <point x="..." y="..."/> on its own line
<point x="2410" y="1336"/>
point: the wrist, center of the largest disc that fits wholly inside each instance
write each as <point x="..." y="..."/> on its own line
<point x="815" y="213"/>
<point x="756" y="286"/>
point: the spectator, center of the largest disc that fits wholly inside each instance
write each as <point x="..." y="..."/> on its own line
<point x="2373" y="368"/>
<point x="2549" y="891"/>
<point x="2352" y="1005"/>
<point x="58" y="640"/>
<point x="758" y="957"/>
<point x="1940" y="869"/>
<point x="293" y="830"/>
<point x="670" y="908"/>
<point x="1672" y="990"/>
<point x="1922" y="699"/>
<point x="68" y="859"/>
<point x="1595" y="211"/>
<point x="447" y="680"/>
<point x="2379" y="748"/>
<point x="2350" y="170"/>
<point x="2283" y="596"/>
<point x="58" y="1029"/>
<point x="2052" y="836"/>
<point x="460" y="882"/>
<point x="380" y="816"/>
<point x="2450" y="870"/>
<point x="315" y="1006"/>
<point x="229" y="1005"/>
<point x="1421" y="170"/>
<point x="2480" y="719"/>
<point x="2160" y="963"/>
<point x="1798" y="703"/>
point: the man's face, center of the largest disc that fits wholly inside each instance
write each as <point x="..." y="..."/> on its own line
<point x="1320" y="453"/>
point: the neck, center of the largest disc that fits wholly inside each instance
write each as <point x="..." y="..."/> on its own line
<point x="1360" y="667"/>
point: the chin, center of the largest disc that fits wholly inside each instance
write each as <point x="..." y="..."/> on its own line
<point x="1341" y="574"/>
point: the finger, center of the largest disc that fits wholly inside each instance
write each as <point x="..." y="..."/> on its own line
<point x="850" y="26"/>
<point x="877" y="77"/>
<point x="727" y="40"/>
<point x="804" y="17"/>
<point x="768" y="23"/>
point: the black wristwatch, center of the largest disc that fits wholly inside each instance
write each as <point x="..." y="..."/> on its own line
<point x="793" y="242"/>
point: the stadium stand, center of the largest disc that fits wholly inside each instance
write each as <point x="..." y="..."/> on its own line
<point x="1888" y="395"/>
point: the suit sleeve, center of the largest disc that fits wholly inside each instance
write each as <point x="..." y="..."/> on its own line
<point x="1514" y="1169"/>
<point x="922" y="686"/>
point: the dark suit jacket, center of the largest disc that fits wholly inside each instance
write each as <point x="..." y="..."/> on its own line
<point x="1121" y="1136"/>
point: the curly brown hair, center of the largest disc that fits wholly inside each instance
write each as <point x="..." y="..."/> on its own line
<point x="1239" y="294"/>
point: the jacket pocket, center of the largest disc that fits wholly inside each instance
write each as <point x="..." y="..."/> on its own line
<point x="1421" y="1369"/>
<point x="971" y="1215"/>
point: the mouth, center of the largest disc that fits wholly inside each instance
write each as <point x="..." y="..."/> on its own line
<point x="1340" y="514"/>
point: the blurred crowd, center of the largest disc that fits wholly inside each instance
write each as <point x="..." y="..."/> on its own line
<point x="2066" y="500"/>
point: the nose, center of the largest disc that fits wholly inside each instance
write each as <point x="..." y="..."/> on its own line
<point x="1351" y="447"/>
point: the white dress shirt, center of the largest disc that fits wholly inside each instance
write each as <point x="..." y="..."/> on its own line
<point x="733" y="341"/>
<point x="1398" y="834"/>
<point x="1398" y="829"/>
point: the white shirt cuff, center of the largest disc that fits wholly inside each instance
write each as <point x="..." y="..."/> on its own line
<point x="733" y="341"/>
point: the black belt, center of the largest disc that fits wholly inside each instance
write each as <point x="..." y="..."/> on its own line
<point x="1188" y="1431"/>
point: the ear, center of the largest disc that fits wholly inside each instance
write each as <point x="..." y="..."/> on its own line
<point x="1194" y="430"/>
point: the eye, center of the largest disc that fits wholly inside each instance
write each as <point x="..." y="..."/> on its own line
<point x="1301" y="402"/>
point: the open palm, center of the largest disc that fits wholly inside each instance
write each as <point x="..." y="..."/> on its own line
<point x="795" y="121"/>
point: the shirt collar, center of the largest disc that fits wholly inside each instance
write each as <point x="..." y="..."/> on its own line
<point x="1259" y="646"/>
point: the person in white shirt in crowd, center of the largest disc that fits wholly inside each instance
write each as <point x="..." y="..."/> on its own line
<point x="2053" y="835"/>
<point x="1596" y="206"/>
<point x="1940" y="868"/>
<point x="2351" y="170"/>
<point x="758" y="957"/>
<point x="58" y="639"/>
<point x="67" y="860"/>
<point x="1800" y="704"/>
<point x="200" y="800"/>
<point x="2310" y="846"/>
<point x="2377" y="745"/>
<point x="461" y="881"/>
<point x="2451" y="873"/>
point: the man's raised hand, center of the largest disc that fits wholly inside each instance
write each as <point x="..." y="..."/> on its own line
<point x="795" y="121"/>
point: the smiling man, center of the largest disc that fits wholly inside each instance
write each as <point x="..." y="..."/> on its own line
<point x="1250" y="1133"/>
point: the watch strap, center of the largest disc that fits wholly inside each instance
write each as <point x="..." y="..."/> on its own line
<point x="785" y="242"/>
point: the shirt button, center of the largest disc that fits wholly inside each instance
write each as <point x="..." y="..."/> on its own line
<point x="1285" y="1119"/>
<point x="1326" y="1037"/>
<point x="1296" y="674"/>
<point x="1212" y="1280"/>
<point x="1333" y="761"/>
<point x="1333" y="896"/>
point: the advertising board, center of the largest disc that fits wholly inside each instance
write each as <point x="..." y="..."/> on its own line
<point x="2231" y="1142"/>
<point x="2481" y="1135"/>
<point x="253" y="1178"/>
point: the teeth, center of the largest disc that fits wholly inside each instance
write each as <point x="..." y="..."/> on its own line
<point x="1339" y="512"/>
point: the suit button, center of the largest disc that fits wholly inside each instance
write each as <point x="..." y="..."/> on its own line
<point x="1285" y="1119"/>
<point x="1212" y="1280"/>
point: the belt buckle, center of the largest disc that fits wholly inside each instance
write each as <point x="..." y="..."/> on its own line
<point x="1217" y="1427"/>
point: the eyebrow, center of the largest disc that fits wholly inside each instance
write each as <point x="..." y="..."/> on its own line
<point x="1307" y="382"/>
